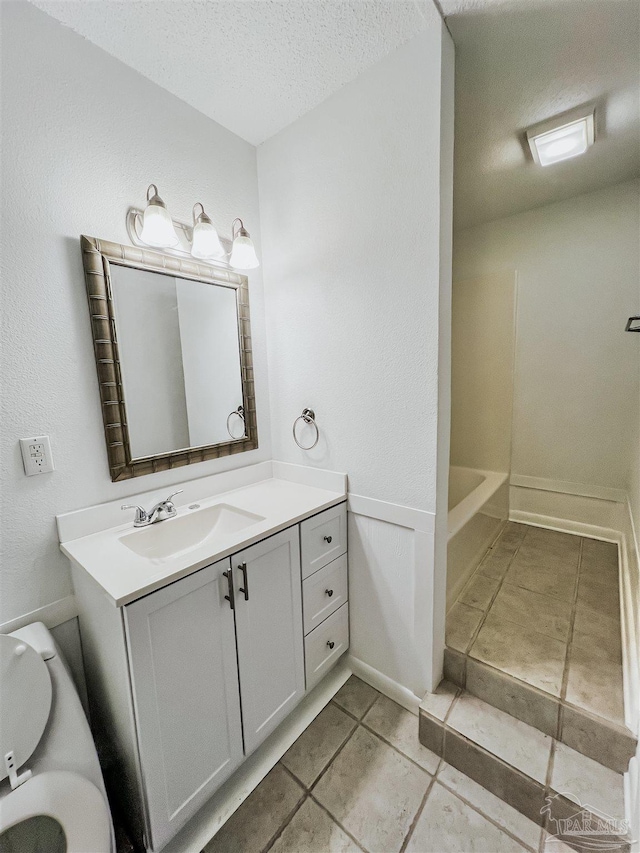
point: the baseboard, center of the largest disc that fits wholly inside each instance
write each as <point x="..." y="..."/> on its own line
<point x="52" y="615"/>
<point x="390" y="688"/>
<point x="564" y="525"/>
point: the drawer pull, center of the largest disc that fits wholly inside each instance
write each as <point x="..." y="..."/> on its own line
<point x="245" y="589"/>
<point x="328" y="539"/>
<point x="329" y="592"/>
<point x="230" y="598"/>
<point x="330" y="643"/>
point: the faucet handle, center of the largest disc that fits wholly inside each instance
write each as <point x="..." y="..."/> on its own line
<point x="169" y="499"/>
<point x="141" y="513"/>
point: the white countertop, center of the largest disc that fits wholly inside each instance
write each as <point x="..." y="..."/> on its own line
<point x="125" y="576"/>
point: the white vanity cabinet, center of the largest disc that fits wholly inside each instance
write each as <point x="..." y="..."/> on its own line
<point x="269" y="633"/>
<point x="184" y="682"/>
<point x="188" y="680"/>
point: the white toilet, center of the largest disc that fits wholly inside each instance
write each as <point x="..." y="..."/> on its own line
<point x="49" y="764"/>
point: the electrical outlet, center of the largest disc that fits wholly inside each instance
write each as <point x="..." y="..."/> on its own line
<point x="36" y="455"/>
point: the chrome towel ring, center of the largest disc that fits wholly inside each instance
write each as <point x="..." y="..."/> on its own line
<point x="240" y="413"/>
<point x="309" y="417"/>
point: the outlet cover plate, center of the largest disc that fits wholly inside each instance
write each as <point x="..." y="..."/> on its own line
<point x="36" y="455"/>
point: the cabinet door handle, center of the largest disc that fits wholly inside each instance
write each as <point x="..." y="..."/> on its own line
<point x="328" y="539"/>
<point x="231" y="597"/>
<point x="330" y="643"/>
<point x="245" y="581"/>
<point x="329" y="592"/>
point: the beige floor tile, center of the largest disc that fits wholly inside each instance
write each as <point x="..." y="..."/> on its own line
<point x="521" y="652"/>
<point x="399" y="727"/>
<point x="599" y="558"/>
<point x="260" y="817"/>
<point x="447" y="825"/>
<point x="313" y="831"/>
<point x="438" y="703"/>
<point x="500" y="812"/>
<point x="356" y="697"/>
<point x="603" y="598"/>
<point x="497" y="561"/>
<point x="317" y="745"/>
<point x="546" y="581"/>
<point x="373" y="792"/>
<point x="553" y="540"/>
<point x="533" y="554"/>
<point x="479" y="591"/>
<point x="595" y="684"/>
<point x="515" y="742"/>
<point x="543" y="613"/>
<point x="462" y="623"/>
<point x="598" y="633"/>
<point x="555" y="845"/>
<point x="513" y="533"/>
<point x="585" y="781"/>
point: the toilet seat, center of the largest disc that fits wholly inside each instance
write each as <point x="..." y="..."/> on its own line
<point x="72" y="800"/>
<point x="25" y="701"/>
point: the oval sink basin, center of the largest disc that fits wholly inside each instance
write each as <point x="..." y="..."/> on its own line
<point x="185" y="532"/>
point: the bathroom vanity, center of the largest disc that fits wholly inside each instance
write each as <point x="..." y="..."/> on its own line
<point x="201" y="633"/>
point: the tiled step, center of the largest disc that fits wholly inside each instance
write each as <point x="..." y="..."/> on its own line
<point x="596" y="737"/>
<point x="570" y="795"/>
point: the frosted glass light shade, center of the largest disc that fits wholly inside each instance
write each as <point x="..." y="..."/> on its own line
<point x="551" y="145"/>
<point x="157" y="227"/>
<point x="206" y="243"/>
<point x="243" y="254"/>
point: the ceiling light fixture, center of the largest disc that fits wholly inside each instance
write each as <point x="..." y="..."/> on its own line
<point x="243" y="253"/>
<point x="157" y="227"/>
<point x="205" y="242"/>
<point x="562" y="137"/>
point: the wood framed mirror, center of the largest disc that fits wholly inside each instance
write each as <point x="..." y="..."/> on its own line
<point x="172" y="344"/>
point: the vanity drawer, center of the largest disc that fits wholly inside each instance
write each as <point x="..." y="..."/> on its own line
<point x="323" y="592"/>
<point x="324" y="645"/>
<point x="323" y="538"/>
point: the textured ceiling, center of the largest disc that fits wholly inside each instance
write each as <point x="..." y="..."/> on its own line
<point x="519" y="62"/>
<point x="254" y="66"/>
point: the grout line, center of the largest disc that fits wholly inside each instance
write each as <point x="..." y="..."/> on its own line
<point x="474" y="635"/>
<point x="417" y="816"/>
<point x="312" y="787"/>
<point x="567" y="660"/>
<point x="285" y="823"/>
<point x="485" y="815"/>
<point x="399" y="751"/>
<point x="337" y="822"/>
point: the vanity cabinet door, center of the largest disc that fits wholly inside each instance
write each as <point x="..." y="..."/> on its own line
<point x="182" y="658"/>
<point x="269" y="633"/>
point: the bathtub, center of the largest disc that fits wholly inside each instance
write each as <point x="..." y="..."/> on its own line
<point x="478" y="507"/>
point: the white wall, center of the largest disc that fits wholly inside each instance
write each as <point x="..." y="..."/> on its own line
<point x="482" y="359"/>
<point x="576" y="377"/>
<point x="350" y="206"/>
<point x="83" y="136"/>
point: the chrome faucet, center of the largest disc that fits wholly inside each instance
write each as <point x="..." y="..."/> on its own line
<point x="161" y="511"/>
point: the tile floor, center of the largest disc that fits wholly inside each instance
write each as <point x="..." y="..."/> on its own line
<point x="543" y="607"/>
<point x="358" y="779"/>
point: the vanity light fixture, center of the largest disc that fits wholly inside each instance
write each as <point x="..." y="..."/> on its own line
<point x="243" y="253"/>
<point x="563" y="137"/>
<point x="205" y="242"/>
<point x="157" y="226"/>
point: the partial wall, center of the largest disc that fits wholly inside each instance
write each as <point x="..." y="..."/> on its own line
<point x="354" y="201"/>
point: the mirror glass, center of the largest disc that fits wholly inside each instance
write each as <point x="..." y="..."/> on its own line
<point x="178" y="343"/>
